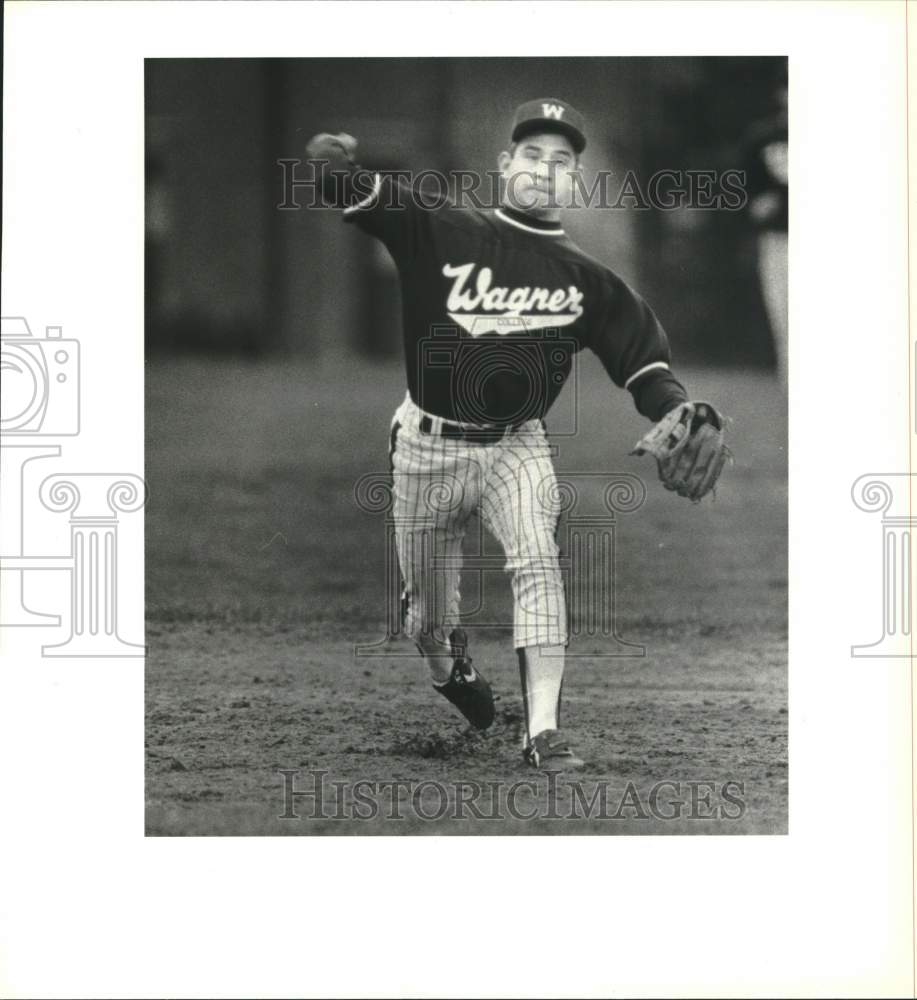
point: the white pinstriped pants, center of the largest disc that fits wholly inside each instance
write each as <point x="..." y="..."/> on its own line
<point x="439" y="484"/>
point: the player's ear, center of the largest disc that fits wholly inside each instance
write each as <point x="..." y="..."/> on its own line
<point x="504" y="160"/>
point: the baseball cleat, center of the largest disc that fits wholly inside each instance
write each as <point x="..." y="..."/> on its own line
<point x="549" y="750"/>
<point x="467" y="688"/>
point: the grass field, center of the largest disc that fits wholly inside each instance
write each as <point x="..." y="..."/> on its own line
<point x="263" y="573"/>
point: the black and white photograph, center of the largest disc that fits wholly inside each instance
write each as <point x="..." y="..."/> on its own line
<point x="456" y="499"/>
<point x="466" y="422"/>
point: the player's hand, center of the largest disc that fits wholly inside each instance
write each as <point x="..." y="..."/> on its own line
<point x="689" y="447"/>
<point x="319" y="146"/>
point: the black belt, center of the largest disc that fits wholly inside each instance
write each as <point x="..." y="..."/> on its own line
<point x="474" y="435"/>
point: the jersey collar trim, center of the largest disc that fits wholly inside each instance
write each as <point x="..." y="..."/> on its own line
<point x="512" y="218"/>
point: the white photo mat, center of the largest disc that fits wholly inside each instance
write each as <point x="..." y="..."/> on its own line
<point x="93" y="908"/>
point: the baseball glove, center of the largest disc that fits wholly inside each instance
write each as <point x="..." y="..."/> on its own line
<point x="689" y="447"/>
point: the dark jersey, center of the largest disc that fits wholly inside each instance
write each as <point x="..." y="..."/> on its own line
<point x="496" y="305"/>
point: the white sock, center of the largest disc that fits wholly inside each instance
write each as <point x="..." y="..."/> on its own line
<point x="438" y="656"/>
<point x="541" y="670"/>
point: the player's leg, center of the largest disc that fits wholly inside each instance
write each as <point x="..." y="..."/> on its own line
<point x="436" y="490"/>
<point x="430" y="513"/>
<point x="519" y="509"/>
<point x="520" y="505"/>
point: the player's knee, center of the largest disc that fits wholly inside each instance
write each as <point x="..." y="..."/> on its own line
<point x="535" y="566"/>
<point x="537" y="582"/>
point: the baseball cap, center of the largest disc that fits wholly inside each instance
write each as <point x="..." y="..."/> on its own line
<point x="549" y="114"/>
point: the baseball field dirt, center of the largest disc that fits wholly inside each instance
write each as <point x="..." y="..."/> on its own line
<point x="264" y="573"/>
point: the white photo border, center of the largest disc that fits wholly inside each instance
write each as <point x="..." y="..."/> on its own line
<point x="93" y="908"/>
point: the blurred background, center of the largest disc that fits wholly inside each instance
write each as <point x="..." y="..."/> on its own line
<point x="274" y="366"/>
<point x="227" y="272"/>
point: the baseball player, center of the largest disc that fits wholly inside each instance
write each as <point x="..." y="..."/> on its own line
<point x="495" y="305"/>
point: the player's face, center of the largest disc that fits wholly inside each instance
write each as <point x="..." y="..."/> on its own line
<point x="539" y="174"/>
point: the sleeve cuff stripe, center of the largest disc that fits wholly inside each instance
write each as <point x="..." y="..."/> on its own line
<point x="368" y="200"/>
<point x="644" y="370"/>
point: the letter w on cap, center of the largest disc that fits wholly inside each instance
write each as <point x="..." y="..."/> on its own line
<point x="552" y="110"/>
